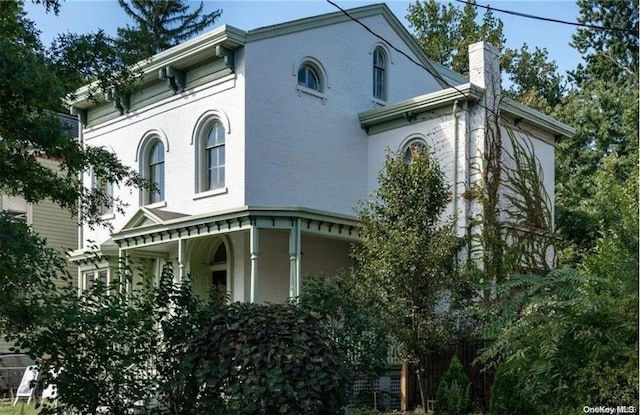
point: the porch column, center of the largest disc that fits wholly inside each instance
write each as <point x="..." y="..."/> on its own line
<point x="295" y="260"/>
<point x="182" y="255"/>
<point x="253" y="251"/>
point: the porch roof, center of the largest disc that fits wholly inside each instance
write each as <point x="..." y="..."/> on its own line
<point x="151" y="226"/>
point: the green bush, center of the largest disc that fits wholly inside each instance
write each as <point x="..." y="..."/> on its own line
<point x="266" y="359"/>
<point x="507" y="397"/>
<point x="453" y="396"/>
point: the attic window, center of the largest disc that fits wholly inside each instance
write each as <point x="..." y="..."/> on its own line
<point x="308" y="77"/>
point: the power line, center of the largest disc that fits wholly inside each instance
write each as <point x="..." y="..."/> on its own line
<point x="548" y="19"/>
<point x="436" y="74"/>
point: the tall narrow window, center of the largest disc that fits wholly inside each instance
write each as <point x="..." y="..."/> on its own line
<point x="215" y="160"/>
<point x="379" y="68"/>
<point x="156" y="171"/>
<point x="106" y="189"/>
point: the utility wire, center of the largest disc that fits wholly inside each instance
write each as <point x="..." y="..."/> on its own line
<point x="436" y="74"/>
<point x="548" y="19"/>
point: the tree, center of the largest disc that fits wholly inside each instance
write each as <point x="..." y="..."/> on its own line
<point x="407" y="255"/>
<point x="604" y="108"/>
<point x="535" y="80"/>
<point x="444" y="32"/>
<point x="560" y="340"/>
<point x="351" y="320"/>
<point x="159" y="25"/>
<point x="34" y="83"/>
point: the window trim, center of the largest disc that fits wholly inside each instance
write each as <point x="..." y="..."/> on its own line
<point x="318" y="69"/>
<point x="143" y="155"/>
<point x="414" y="139"/>
<point x="203" y="127"/>
<point x="383" y="71"/>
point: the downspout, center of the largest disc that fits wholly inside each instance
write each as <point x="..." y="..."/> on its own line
<point x="455" y="166"/>
<point x="80" y="224"/>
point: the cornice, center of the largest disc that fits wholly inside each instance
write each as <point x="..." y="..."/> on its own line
<point x="180" y="56"/>
<point x="414" y="106"/>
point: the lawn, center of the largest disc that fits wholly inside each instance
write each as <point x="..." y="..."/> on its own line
<point x="7" y="408"/>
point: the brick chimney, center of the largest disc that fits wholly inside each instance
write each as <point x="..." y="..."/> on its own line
<point x="484" y="71"/>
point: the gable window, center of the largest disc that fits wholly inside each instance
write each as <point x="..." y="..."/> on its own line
<point x="308" y="77"/>
<point x="215" y="159"/>
<point x="379" y="74"/>
<point x="155" y="171"/>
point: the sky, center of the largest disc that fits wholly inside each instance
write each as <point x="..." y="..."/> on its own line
<point x="83" y="16"/>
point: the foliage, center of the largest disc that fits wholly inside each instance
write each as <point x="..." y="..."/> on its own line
<point x="25" y="255"/>
<point x="609" y="54"/>
<point x="266" y="359"/>
<point x="565" y="339"/>
<point x="159" y="25"/>
<point x="444" y="32"/>
<point x="453" y="396"/>
<point x="604" y="109"/>
<point x="95" y="348"/>
<point x="33" y="86"/>
<point x="350" y="320"/>
<point x="507" y="397"/>
<point x="535" y="81"/>
<point x="407" y="255"/>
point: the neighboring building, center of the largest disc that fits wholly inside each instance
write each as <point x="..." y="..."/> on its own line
<point x="46" y="218"/>
<point x="262" y="143"/>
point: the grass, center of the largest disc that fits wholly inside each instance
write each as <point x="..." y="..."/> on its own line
<point x="7" y="408"/>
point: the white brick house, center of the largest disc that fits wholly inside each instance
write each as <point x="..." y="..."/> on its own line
<point x="264" y="141"/>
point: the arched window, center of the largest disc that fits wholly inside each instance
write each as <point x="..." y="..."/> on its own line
<point x="415" y="146"/>
<point x="214" y="158"/>
<point x="308" y="77"/>
<point x="210" y="142"/>
<point x="379" y="74"/>
<point x="155" y="171"/>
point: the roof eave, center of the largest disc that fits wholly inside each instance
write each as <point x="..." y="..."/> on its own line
<point x="181" y="55"/>
<point x="536" y="118"/>
<point x="420" y="104"/>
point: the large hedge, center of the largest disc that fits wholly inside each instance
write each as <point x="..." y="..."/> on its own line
<point x="266" y="359"/>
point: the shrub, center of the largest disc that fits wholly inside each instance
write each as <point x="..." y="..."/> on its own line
<point x="266" y="359"/>
<point x="453" y="396"/>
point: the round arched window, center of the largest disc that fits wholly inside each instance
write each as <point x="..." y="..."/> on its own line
<point x="308" y="77"/>
<point x="414" y="147"/>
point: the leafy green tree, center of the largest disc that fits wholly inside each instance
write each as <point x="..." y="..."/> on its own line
<point x="407" y="255"/>
<point x="610" y="54"/>
<point x="159" y="25"/>
<point x="563" y="339"/>
<point x="351" y="320"/>
<point x="453" y="396"/>
<point x="604" y="109"/>
<point x="445" y="32"/>
<point x="535" y="80"/>
<point x="34" y="84"/>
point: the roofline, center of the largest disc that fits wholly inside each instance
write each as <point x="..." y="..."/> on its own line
<point x="340" y="17"/>
<point x="512" y="107"/>
<point x="417" y="105"/>
<point x="246" y="211"/>
<point x="467" y="92"/>
<point x="192" y="50"/>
